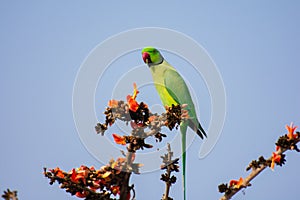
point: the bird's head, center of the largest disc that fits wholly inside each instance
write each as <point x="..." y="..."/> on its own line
<point x="151" y="56"/>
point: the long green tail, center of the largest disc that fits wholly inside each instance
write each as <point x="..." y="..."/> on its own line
<point x="183" y="129"/>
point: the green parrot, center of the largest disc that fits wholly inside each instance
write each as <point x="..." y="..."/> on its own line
<point x="172" y="89"/>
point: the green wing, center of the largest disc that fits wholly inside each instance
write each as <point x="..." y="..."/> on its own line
<point x="178" y="89"/>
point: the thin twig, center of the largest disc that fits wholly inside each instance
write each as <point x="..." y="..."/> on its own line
<point x="169" y="165"/>
<point x="168" y="184"/>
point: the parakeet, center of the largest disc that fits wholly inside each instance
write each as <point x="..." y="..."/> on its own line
<point x="172" y="89"/>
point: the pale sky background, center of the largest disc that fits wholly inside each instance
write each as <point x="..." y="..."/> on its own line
<point x="255" y="45"/>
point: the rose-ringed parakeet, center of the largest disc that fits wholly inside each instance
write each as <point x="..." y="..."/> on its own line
<point x="172" y="89"/>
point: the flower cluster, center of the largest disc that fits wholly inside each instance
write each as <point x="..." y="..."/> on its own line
<point x="135" y="142"/>
<point x="140" y="118"/>
<point x="139" y="112"/>
<point x="131" y="111"/>
<point x="289" y="140"/>
<point x="115" y="110"/>
<point x="173" y="116"/>
<point x="87" y="182"/>
<point x="113" y="179"/>
<point x="286" y="142"/>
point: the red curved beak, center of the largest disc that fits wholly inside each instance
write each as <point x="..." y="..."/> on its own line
<point x="146" y="57"/>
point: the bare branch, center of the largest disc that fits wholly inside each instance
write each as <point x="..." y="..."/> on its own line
<point x="169" y="165"/>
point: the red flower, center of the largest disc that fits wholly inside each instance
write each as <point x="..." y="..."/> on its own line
<point x="291" y="129"/>
<point x="133" y="104"/>
<point x="81" y="194"/>
<point x="119" y="139"/>
<point x="236" y="183"/>
<point x="58" y="172"/>
<point x="79" y="174"/>
<point x="115" y="190"/>
<point x="73" y="176"/>
<point x="276" y="158"/>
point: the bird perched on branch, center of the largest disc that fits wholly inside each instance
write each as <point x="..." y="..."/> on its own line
<point x="172" y="89"/>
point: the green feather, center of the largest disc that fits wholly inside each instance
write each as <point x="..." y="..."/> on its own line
<point x="172" y="89"/>
<point x="183" y="129"/>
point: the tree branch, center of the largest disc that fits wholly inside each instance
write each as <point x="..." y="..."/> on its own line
<point x="284" y="143"/>
<point x="170" y="166"/>
<point x="140" y="118"/>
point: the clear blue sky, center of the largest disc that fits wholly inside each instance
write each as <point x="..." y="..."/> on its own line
<point x="255" y="45"/>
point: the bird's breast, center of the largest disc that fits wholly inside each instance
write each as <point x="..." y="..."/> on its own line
<point x="159" y="82"/>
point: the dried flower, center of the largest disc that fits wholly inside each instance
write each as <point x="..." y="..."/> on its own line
<point x="173" y="116"/>
<point x="223" y="188"/>
<point x="159" y="136"/>
<point x="10" y="195"/>
<point x="257" y="163"/>
<point x="152" y="118"/>
<point x="184" y="114"/>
